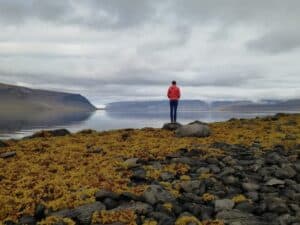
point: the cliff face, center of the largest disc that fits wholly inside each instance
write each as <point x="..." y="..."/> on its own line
<point x="21" y="99"/>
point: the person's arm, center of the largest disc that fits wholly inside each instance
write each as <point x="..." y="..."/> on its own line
<point x="169" y="90"/>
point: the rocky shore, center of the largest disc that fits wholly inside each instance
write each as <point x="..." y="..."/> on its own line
<point x="157" y="176"/>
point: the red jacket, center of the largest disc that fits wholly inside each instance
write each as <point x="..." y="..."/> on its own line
<point x="174" y="92"/>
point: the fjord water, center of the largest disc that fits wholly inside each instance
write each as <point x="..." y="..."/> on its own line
<point x="20" y="125"/>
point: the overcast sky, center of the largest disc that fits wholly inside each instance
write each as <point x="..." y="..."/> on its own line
<point x="112" y="50"/>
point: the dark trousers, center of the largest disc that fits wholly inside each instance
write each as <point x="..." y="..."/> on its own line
<point x="173" y="110"/>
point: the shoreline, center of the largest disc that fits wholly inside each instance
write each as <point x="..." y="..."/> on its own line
<point x="117" y="175"/>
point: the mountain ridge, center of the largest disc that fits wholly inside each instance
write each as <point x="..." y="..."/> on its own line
<point x="18" y="98"/>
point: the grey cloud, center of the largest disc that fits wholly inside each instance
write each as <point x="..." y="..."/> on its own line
<point x="19" y="11"/>
<point x="276" y="42"/>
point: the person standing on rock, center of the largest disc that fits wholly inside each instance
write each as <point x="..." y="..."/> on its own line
<point x="174" y="96"/>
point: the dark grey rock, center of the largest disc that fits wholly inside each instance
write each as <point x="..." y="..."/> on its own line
<point x="285" y="172"/>
<point x="230" y="180"/>
<point x="245" y="207"/>
<point x="253" y="196"/>
<point x="27" y="220"/>
<point x="3" y="144"/>
<point x="223" y="204"/>
<point x="214" y="168"/>
<point x="6" y="155"/>
<point x="190" y="186"/>
<point x="110" y="203"/>
<point x="274" y="182"/>
<point x="171" y="126"/>
<point x="236" y="217"/>
<point x="139" y="175"/>
<point x="202" y="170"/>
<point x="140" y="208"/>
<point x="85" y="212"/>
<point x="250" y="187"/>
<point x="206" y="212"/>
<point x="39" y="211"/>
<point x="156" y="193"/>
<point x="273" y="158"/>
<point x="276" y="205"/>
<point x="167" y="176"/>
<point x="193" y="130"/>
<point x="82" y="214"/>
<point x="102" y="194"/>
<point x="52" y="133"/>
<point x="162" y="218"/>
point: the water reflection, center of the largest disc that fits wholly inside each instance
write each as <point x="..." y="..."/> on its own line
<point x="14" y="123"/>
<point x="17" y="126"/>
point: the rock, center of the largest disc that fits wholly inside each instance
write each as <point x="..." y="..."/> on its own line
<point x="273" y="158"/>
<point x="253" y="196"/>
<point x="236" y="217"/>
<point x="171" y="126"/>
<point x="214" y="168"/>
<point x="3" y="144"/>
<point x="250" y="187"/>
<point x="276" y="205"/>
<point x="202" y="170"/>
<point x="163" y="219"/>
<point x="27" y="220"/>
<point x="139" y="175"/>
<point x="230" y="180"/>
<point x="156" y="193"/>
<point x="6" y="155"/>
<point x="50" y="133"/>
<point x="223" y="204"/>
<point x="140" y="208"/>
<point x="274" y="182"/>
<point x="110" y="203"/>
<point x="85" y="212"/>
<point x="167" y="176"/>
<point x="245" y="207"/>
<point x="132" y="163"/>
<point x="190" y="186"/>
<point x="39" y="211"/>
<point x="193" y="130"/>
<point x="102" y="194"/>
<point x="82" y="214"/>
<point x="285" y="172"/>
<point x="206" y="212"/>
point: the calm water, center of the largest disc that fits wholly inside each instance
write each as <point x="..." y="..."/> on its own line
<point x="18" y="126"/>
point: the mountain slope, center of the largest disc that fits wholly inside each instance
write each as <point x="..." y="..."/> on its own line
<point x="22" y="99"/>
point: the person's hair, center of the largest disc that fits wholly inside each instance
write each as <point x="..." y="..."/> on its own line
<point x="173" y="82"/>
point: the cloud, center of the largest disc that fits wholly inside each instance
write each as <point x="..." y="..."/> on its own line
<point x="276" y="42"/>
<point x="110" y="49"/>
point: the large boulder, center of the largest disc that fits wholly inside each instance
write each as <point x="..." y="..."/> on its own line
<point x="171" y="126"/>
<point x="193" y="130"/>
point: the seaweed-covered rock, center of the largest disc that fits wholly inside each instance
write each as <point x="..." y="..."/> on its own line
<point x="27" y="220"/>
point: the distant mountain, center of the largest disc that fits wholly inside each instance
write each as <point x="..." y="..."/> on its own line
<point x="265" y="106"/>
<point x="156" y="106"/>
<point x="17" y="99"/>
<point x="198" y="105"/>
